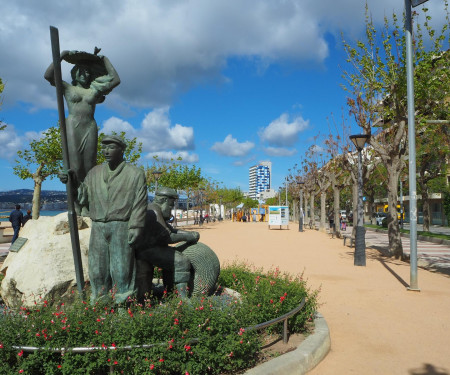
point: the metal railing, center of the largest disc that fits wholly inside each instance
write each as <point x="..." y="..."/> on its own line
<point x="283" y="318"/>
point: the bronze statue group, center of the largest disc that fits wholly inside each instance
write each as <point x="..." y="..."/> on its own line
<point x="128" y="236"/>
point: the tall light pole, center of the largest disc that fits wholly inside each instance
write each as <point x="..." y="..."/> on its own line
<point x="220" y="207"/>
<point x="300" y="209"/>
<point x="157" y="174"/>
<point x="413" y="284"/>
<point x="286" y="202"/>
<point x="360" y="241"/>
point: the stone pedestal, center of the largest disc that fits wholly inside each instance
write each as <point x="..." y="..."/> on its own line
<point x="43" y="269"/>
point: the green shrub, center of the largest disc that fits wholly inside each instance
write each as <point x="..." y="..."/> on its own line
<point x="204" y="335"/>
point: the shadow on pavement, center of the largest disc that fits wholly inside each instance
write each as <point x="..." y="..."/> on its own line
<point x="429" y="369"/>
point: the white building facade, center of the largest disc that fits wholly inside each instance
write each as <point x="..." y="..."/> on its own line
<point x="259" y="178"/>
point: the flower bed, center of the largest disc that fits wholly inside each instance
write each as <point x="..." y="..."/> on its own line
<point x="203" y="336"/>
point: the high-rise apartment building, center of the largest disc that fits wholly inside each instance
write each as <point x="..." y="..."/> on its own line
<point x="259" y="178"/>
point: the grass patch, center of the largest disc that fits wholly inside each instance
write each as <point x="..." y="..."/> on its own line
<point x="201" y="336"/>
<point x="419" y="233"/>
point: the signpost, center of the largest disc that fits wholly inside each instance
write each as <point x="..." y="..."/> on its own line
<point x="279" y="215"/>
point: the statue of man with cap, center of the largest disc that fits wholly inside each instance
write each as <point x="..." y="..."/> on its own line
<point x="156" y="250"/>
<point x="116" y="196"/>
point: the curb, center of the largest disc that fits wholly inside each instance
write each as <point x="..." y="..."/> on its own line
<point x="303" y="359"/>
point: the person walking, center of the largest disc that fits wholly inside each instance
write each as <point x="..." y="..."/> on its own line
<point x="26" y="217"/>
<point x="16" y="219"/>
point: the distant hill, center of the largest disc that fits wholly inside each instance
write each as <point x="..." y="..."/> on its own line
<point x="26" y="195"/>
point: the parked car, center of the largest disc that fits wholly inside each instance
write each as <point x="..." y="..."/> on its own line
<point x="379" y="217"/>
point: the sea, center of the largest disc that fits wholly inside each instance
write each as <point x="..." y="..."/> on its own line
<point x="4" y="214"/>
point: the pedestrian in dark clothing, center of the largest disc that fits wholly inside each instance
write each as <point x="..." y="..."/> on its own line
<point x="26" y="217"/>
<point x="331" y="221"/>
<point x="16" y="219"/>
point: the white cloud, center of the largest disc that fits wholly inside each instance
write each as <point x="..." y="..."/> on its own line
<point x="114" y="124"/>
<point x="168" y="156"/>
<point x="281" y="132"/>
<point x="10" y="143"/>
<point x="161" y="48"/>
<point x="316" y="149"/>
<point x="241" y="162"/>
<point x="279" y="151"/>
<point x="155" y="132"/>
<point x="231" y="147"/>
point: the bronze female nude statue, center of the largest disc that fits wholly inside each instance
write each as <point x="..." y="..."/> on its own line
<point x="93" y="77"/>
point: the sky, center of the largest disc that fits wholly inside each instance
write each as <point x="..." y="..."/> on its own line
<point x="224" y="84"/>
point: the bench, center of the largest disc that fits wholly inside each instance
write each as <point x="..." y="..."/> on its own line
<point x="6" y="237"/>
<point x="331" y="232"/>
<point x="348" y="237"/>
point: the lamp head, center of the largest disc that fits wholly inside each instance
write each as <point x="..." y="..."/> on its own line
<point x="359" y="140"/>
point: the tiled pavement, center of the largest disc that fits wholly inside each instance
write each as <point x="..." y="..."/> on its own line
<point x="429" y="254"/>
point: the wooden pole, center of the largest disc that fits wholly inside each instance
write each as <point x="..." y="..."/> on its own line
<point x="72" y="215"/>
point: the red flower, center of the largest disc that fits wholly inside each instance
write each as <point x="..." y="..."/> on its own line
<point x="152" y="366"/>
<point x="20" y="354"/>
<point x="271" y="301"/>
<point x="115" y="362"/>
<point x="20" y="371"/>
<point x="161" y="360"/>
<point x="59" y="366"/>
<point x="1" y="345"/>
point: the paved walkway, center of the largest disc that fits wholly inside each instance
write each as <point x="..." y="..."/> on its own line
<point x="376" y="325"/>
<point x="430" y="255"/>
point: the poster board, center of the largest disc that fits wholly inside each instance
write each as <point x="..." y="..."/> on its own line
<point x="278" y="215"/>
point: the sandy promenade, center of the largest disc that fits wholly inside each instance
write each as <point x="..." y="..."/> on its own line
<point x="376" y="326"/>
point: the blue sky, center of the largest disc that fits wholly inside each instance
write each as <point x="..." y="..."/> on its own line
<point x="222" y="83"/>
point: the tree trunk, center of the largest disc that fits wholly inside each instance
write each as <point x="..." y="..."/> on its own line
<point x="323" y="198"/>
<point x="336" y="202"/>
<point x="311" y="207"/>
<point x="36" y="203"/>
<point x="395" y="242"/>
<point x="426" y="208"/>
<point x="306" y="209"/>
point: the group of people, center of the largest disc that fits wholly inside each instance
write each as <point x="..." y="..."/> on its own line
<point x="18" y="220"/>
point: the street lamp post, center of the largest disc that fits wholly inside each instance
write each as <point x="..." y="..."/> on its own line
<point x="360" y="241"/>
<point x="220" y="207"/>
<point x="157" y="174"/>
<point x="413" y="284"/>
<point x="300" y="210"/>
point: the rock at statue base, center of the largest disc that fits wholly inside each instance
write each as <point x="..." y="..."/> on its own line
<point x="43" y="269"/>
